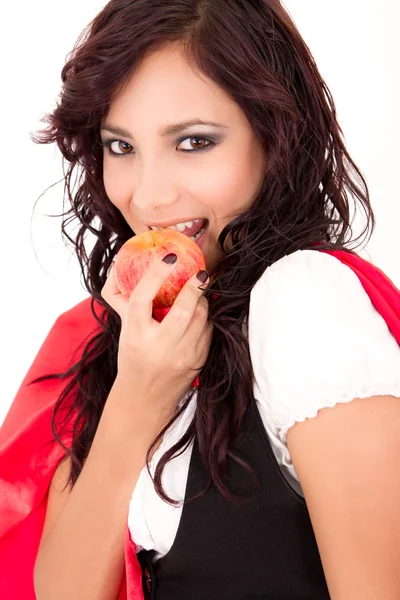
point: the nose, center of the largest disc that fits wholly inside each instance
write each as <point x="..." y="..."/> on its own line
<point x="155" y="188"/>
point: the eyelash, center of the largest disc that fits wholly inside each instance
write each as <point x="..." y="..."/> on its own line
<point x="107" y="144"/>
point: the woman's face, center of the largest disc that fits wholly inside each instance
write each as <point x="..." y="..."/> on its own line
<point x="152" y="180"/>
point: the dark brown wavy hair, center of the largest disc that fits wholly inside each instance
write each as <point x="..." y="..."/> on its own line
<point x="253" y="50"/>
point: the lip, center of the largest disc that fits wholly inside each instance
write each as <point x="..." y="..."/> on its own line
<point x="175" y="222"/>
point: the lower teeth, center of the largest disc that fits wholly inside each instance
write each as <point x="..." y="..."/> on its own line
<point x="198" y="234"/>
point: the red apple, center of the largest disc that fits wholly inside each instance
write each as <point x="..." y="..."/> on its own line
<point x="139" y="252"/>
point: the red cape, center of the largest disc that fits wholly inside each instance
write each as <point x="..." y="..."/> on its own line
<point x="27" y="462"/>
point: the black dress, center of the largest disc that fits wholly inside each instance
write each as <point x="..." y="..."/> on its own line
<point x="264" y="549"/>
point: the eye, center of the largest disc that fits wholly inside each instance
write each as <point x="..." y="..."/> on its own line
<point x="117" y="147"/>
<point x="201" y="143"/>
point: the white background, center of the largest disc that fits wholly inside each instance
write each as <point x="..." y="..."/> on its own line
<point x="357" y="49"/>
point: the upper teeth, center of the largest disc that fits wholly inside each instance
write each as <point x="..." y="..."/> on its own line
<point x="179" y="226"/>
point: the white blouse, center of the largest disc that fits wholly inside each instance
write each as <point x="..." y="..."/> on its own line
<point x="315" y="340"/>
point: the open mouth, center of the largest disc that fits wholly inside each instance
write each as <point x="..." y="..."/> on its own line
<point x="194" y="232"/>
<point x="201" y="231"/>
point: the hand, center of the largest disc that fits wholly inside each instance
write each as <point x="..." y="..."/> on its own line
<point x="159" y="361"/>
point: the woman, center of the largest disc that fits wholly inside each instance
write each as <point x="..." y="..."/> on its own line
<point x="273" y="478"/>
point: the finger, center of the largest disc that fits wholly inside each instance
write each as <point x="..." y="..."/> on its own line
<point x="112" y="295"/>
<point x="176" y="322"/>
<point x="198" y="323"/>
<point x="202" y="344"/>
<point x="141" y="299"/>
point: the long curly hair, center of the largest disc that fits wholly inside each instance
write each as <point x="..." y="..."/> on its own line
<point x="253" y="50"/>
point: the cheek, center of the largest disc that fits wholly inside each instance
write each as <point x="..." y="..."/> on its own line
<point x="227" y="185"/>
<point x="117" y="185"/>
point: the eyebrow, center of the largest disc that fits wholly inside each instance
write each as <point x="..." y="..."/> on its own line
<point x="167" y="131"/>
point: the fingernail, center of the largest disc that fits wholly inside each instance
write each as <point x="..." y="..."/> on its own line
<point x="202" y="276"/>
<point x="170" y="259"/>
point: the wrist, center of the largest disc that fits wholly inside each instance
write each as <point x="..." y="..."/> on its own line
<point x="139" y="408"/>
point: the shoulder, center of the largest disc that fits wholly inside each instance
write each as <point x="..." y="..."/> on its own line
<point x="316" y="339"/>
<point x="310" y="288"/>
<point x="304" y="296"/>
<point x="308" y="272"/>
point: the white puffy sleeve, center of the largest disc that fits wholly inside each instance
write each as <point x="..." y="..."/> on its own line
<point x="316" y="339"/>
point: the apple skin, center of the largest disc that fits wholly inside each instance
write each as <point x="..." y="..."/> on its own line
<point x="139" y="252"/>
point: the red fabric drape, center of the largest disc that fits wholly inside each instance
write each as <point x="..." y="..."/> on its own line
<point x="29" y="455"/>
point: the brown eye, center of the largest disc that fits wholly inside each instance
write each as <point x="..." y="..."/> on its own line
<point x="195" y="143"/>
<point x="123" y="148"/>
<point x="117" y="147"/>
<point x="198" y="143"/>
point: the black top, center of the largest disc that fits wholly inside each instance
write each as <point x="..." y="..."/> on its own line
<point x="264" y="549"/>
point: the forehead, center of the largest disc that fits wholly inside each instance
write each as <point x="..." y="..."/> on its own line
<point x="164" y="88"/>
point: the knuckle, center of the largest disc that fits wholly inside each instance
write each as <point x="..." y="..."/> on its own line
<point x="137" y="300"/>
<point x="202" y="301"/>
<point x="201" y="311"/>
<point x="182" y="313"/>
